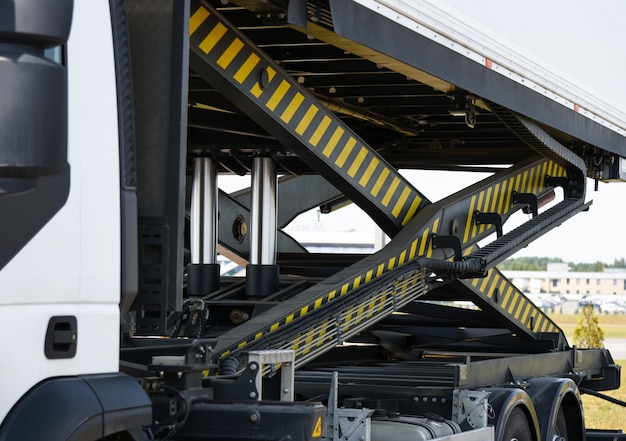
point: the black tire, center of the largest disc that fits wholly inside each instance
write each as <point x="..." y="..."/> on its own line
<point x="560" y="426"/>
<point x="517" y="427"/>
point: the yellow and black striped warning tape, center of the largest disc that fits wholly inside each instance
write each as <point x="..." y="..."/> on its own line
<point x="262" y="82"/>
<point x="412" y="243"/>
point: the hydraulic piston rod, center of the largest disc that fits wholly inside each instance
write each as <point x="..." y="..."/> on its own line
<point x="203" y="271"/>
<point x="262" y="273"/>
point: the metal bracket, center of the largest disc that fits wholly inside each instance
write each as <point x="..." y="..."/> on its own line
<point x="471" y="407"/>
<point x="450" y="242"/>
<point x="489" y="219"/>
<point x="273" y="358"/>
<point x="529" y="199"/>
<point x="346" y="424"/>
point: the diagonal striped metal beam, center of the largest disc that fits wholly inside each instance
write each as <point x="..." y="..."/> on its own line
<point x="224" y="57"/>
<point x="358" y="296"/>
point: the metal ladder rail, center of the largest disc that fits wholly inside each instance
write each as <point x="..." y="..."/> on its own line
<point x="227" y="59"/>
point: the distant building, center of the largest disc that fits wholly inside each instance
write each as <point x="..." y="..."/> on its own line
<point x="565" y="282"/>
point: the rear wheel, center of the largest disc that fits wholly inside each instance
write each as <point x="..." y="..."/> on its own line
<point x="560" y="426"/>
<point x="517" y="427"/>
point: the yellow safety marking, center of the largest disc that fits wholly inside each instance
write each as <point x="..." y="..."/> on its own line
<point x="526" y="182"/>
<point x="390" y="191"/>
<point x="509" y="193"/>
<point x="526" y="311"/>
<point x="242" y="344"/>
<point x="256" y="90"/>
<point x="356" y="164"/>
<point x="401" y="200"/>
<point x="197" y="19"/>
<point x="538" y="322"/>
<point x="518" y="311"/>
<point x="231" y="52"/>
<point x="213" y="38"/>
<point x="545" y="326"/>
<point x="402" y="258"/>
<point x="247" y="67"/>
<point x="296" y="343"/>
<point x="412" y="210"/>
<point x="343" y="156"/>
<point x="502" y="193"/>
<point x="502" y="288"/>
<point x="307" y="341"/>
<point x="357" y="283"/>
<point x="317" y="431"/>
<point x="513" y="303"/>
<point x="470" y="217"/>
<point x="392" y="263"/>
<point x="322" y="333"/>
<point x="479" y="208"/>
<point x="379" y="182"/>
<point x="369" y="171"/>
<point x="507" y="296"/>
<point x="344" y="289"/>
<point x="519" y="180"/>
<point x="330" y="147"/>
<point x="289" y="318"/>
<point x="542" y="181"/>
<point x="369" y="276"/>
<point x="278" y="95"/>
<point x="493" y="285"/>
<point x="528" y="187"/>
<point x="347" y="323"/>
<point x="258" y="335"/>
<point x="494" y="201"/>
<point x="535" y="178"/>
<point x="371" y="307"/>
<point x="331" y="295"/>
<point x="225" y="354"/>
<point x="383" y="299"/>
<point x="318" y="303"/>
<point x="319" y="132"/>
<point x="486" y="208"/>
<point x="551" y="168"/>
<point x="292" y="108"/>
<point x="380" y="269"/>
<point x="359" y="314"/>
<point x="423" y="242"/>
<point x="270" y="74"/>
<point x="413" y="249"/>
<point x="475" y="282"/>
<point x="274" y="327"/>
<point x="430" y="246"/>
<point x="306" y="119"/>
<point x="484" y="284"/>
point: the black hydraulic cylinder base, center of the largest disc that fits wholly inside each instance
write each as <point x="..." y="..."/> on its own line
<point x="261" y="280"/>
<point x="202" y="279"/>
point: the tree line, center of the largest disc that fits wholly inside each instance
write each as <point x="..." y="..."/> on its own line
<point x="541" y="264"/>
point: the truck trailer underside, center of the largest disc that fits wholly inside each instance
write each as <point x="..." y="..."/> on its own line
<point x="322" y="103"/>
